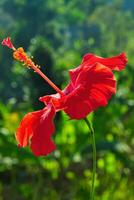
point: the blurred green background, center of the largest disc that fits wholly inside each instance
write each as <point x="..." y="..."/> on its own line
<point x="58" y="33"/>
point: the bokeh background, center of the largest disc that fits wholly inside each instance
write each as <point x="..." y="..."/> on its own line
<point x="57" y="33"/>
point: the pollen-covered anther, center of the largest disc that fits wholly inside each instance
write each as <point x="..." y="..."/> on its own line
<point x="20" y="55"/>
<point x="38" y="66"/>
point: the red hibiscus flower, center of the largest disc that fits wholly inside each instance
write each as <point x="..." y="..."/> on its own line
<point x="91" y="85"/>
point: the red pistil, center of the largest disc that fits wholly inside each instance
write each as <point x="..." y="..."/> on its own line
<point x="20" y="55"/>
<point x="7" y="42"/>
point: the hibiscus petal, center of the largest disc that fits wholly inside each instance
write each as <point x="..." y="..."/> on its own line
<point x="73" y="73"/>
<point x="115" y="63"/>
<point x="37" y="127"/>
<point x="55" y="100"/>
<point x="77" y="106"/>
<point x="41" y="143"/>
<point x="25" y="130"/>
<point x="93" y="88"/>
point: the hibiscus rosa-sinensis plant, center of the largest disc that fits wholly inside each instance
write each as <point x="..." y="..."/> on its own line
<point x="91" y="85"/>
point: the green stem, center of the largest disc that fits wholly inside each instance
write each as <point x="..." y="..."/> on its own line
<point x="94" y="157"/>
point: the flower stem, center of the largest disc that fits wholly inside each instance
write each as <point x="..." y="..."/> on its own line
<point x="92" y="193"/>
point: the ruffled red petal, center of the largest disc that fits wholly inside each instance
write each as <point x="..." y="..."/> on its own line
<point x="37" y="128"/>
<point x="54" y="99"/>
<point x="93" y="88"/>
<point x="115" y="63"/>
<point x="73" y="73"/>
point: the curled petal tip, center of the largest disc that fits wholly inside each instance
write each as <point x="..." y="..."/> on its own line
<point x="7" y="42"/>
<point x="123" y="56"/>
<point x="117" y="63"/>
